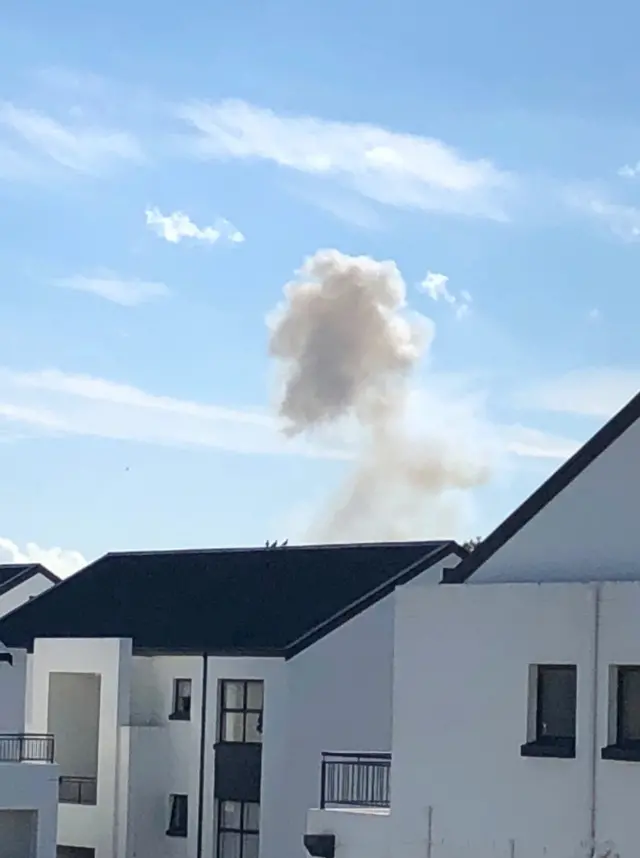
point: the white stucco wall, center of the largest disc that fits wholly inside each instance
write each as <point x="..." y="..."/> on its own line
<point x="29" y="787"/>
<point x="13" y="680"/>
<point x="99" y="826"/>
<point x="21" y="593"/>
<point x="587" y="532"/>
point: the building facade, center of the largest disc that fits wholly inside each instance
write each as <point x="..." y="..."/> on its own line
<point x="516" y="726"/>
<point x="166" y="748"/>
<point x="28" y="775"/>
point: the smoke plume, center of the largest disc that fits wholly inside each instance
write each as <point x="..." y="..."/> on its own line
<point x="347" y="346"/>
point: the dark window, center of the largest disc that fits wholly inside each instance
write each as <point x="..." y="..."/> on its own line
<point x="553" y="718"/>
<point x="238" y="829"/>
<point x="178" y="815"/>
<point x="241" y="710"/>
<point x="181" y="700"/>
<point x="556" y="703"/>
<point x="628" y="726"/>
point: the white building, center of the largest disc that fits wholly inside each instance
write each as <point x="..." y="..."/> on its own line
<point x="20" y="582"/>
<point x="28" y="776"/>
<point x="516" y="715"/>
<point x="192" y="693"/>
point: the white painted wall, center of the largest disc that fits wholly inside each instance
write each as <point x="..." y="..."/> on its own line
<point x="358" y="832"/>
<point x="74" y="719"/>
<point x="98" y="827"/>
<point x="29" y="788"/>
<point x="340" y="699"/>
<point x="13" y="679"/>
<point x="21" y="593"/>
<point x="588" y="532"/>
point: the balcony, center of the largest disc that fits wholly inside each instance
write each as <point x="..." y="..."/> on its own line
<point x="355" y="780"/>
<point x="26" y="748"/>
<point x="76" y="790"/>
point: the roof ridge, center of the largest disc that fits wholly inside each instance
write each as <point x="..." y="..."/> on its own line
<point x="570" y="470"/>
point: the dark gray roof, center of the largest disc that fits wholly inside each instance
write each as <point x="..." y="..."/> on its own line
<point x="12" y="574"/>
<point x="258" y="601"/>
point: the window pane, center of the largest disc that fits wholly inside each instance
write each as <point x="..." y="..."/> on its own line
<point x="230" y="843"/>
<point x="630" y="701"/>
<point x="184" y="688"/>
<point x="251" y="820"/>
<point x="233" y="727"/>
<point x="254" y="695"/>
<point x="556" y="702"/>
<point x="233" y="695"/>
<point x="254" y="722"/>
<point x="231" y="815"/>
<point x="250" y="846"/>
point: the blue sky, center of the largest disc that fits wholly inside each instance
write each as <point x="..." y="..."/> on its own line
<point x="163" y="174"/>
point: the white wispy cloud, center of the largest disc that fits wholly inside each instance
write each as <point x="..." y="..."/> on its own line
<point x="535" y="444"/>
<point x="437" y="288"/>
<point x="621" y="219"/>
<point x="51" y="402"/>
<point x="126" y="292"/>
<point x="596" y="392"/>
<point x="61" y="561"/>
<point x="630" y="171"/>
<point x="37" y="138"/>
<point x="178" y="225"/>
<point x="391" y="167"/>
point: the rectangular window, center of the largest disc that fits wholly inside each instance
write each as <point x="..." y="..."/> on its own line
<point x="241" y="707"/>
<point x="181" y="700"/>
<point x="553" y="694"/>
<point x="238" y="827"/>
<point x="178" y="816"/>
<point x="628" y="705"/>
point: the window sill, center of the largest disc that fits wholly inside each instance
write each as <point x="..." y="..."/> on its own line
<point x="561" y="750"/>
<point x="180" y="716"/>
<point x="176" y="832"/>
<point x="621" y="752"/>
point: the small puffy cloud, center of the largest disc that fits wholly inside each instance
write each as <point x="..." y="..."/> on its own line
<point x="178" y="225"/>
<point x="127" y="293"/>
<point x="61" y="561"/>
<point x="436" y="286"/>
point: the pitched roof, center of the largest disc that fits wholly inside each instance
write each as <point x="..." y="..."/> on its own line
<point x="12" y="574"/>
<point x="556" y="483"/>
<point x="254" y="601"/>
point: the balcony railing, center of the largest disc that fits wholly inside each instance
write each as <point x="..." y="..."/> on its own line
<point x="355" y="780"/>
<point x="26" y="748"/>
<point x="72" y="790"/>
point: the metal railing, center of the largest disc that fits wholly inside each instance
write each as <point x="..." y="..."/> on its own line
<point x="26" y="748"/>
<point x="355" y="780"/>
<point x="72" y="790"/>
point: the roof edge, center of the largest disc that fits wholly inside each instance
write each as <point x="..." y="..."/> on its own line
<point x="607" y="435"/>
<point x="373" y="597"/>
<point x="26" y="574"/>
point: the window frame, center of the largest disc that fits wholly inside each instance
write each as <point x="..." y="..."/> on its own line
<point x="539" y="743"/>
<point x="178" y="815"/>
<point x="619" y="748"/>
<point x="178" y="714"/>
<point x="243" y="710"/>
<point x="243" y="831"/>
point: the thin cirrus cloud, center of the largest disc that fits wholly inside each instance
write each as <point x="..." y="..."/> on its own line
<point x="53" y="403"/>
<point x="392" y="168"/>
<point x="436" y="286"/>
<point x="35" y="140"/>
<point x="177" y="226"/>
<point x="126" y="292"/>
<point x="598" y="392"/>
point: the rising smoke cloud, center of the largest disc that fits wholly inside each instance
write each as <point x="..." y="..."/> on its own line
<point x="347" y="346"/>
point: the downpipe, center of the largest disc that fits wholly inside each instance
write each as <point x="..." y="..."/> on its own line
<point x="595" y="694"/>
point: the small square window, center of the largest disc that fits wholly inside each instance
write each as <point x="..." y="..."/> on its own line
<point x="178" y="816"/>
<point x="181" y="700"/>
<point x="552" y="714"/>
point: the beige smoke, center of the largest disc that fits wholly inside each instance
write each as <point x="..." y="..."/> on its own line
<point x="347" y="346"/>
